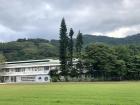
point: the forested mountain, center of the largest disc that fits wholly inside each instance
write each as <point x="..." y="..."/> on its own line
<point x="24" y="49"/>
<point x="133" y="39"/>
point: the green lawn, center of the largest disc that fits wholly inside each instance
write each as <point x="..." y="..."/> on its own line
<point x="95" y="93"/>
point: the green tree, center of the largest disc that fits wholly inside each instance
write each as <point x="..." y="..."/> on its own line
<point x="120" y="69"/>
<point x="63" y="49"/>
<point x="100" y="59"/>
<point x="2" y="59"/>
<point x="123" y="65"/>
<point x="134" y="68"/>
<point x="79" y="44"/>
<point x="70" y="48"/>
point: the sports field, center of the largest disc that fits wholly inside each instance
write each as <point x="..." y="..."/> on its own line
<point x="94" y="93"/>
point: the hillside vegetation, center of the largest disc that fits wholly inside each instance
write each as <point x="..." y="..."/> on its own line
<point x="24" y="49"/>
<point x="133" y="39"/>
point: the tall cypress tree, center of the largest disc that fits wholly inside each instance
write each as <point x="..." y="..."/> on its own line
<point x="63" y="48"/>
<point x="70" y="48"/>
<point x="79" y="43"/>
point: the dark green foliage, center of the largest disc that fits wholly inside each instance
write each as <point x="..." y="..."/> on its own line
<point x="63" y="48"/>
<point x="54" y="75"/>
<point x="38" y="40"/>
<point x="79" y="44"/>
<point x="70" y="48"/>
<point x="2" y="58"/>
<point x="55" y="42"/>
<point x="101" y="59"/>
<point x="24" y="49"/>
<point x="18" y="50"/>
<point x="89" y="39"/>
<point x="112" y="63"/>
<point x="74" y="72"/>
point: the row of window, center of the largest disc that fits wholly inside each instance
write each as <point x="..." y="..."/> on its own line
<point x="28" y="78"/>
<point x="32" y="78"/>
<point x="26" y="69"/>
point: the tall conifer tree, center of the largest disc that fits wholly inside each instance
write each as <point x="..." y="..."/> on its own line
<point x="79" y="43"/>
<point x="70" y="48"/>
<point x="63" y="48"/>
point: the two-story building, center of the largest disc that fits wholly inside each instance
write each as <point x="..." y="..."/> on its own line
<point x="28" y="71"/>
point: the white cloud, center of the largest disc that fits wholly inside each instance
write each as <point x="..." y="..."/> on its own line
<point x="121" y="32"/>
<point x="7" y="34"/>
<point x="5" y="30"/>
<point x="124" y="31"/>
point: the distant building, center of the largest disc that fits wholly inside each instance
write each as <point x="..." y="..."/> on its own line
<point x="28" y="71"/>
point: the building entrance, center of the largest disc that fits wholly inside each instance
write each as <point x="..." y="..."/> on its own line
<point x="13" y="79"/>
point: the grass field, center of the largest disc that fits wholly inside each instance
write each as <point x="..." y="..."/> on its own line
<point x="96" y="93"/>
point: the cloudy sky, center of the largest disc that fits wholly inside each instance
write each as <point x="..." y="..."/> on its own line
<point x="41" y="18"/>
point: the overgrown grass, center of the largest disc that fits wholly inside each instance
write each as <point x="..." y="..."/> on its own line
<point x="95" y="93"/>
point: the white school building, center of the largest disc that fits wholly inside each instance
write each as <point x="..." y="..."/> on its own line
<point x="28" y="71"/>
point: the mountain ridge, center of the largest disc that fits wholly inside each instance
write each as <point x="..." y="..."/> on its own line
<point x="24" y="49"/>
<point x="132" y="39"/>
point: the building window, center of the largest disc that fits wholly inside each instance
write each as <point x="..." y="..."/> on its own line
<point x="17" y="69"/>
<point x="6" y="70"/>
<point x="6" y="78"/>
<point x="36" y="69"/>
<point x="28" y="78"/>
<point x="23" y="69"/>
<point x="46" y="68"/>
<point x="39" y="68"/>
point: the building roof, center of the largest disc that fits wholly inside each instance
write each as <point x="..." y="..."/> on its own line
<point x="31" y="63"/>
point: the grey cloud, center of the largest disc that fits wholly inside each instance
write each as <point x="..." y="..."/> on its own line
<point x="41" y="18"/>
